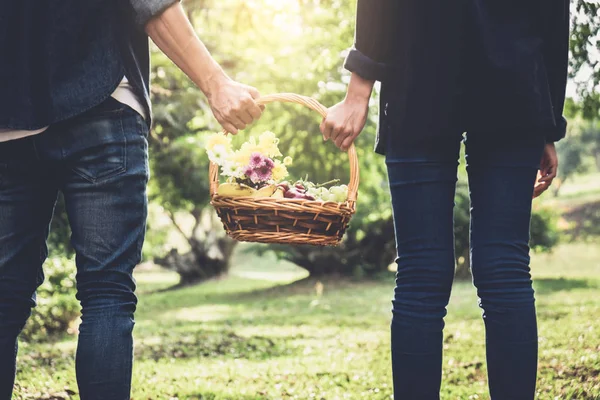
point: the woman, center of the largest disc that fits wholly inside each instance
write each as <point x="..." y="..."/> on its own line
<point x="497" y="71"/>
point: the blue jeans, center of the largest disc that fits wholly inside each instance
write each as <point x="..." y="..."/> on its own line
<point x="99" y="161"/>
<point x="501" y="178"/>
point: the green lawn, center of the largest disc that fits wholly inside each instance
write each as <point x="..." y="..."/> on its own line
<point x="256" y="335"/>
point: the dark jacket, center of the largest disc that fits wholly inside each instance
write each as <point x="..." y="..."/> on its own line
<point x="495" y="67"/>
<point x="61" y="58"/>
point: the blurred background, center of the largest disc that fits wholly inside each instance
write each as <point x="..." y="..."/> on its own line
<point x="222" y="320"/>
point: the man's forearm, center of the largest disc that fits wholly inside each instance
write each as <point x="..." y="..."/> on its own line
<point x="174" y="35"/>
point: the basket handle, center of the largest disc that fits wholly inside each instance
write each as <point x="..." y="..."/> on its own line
<point x="322" y="110"/>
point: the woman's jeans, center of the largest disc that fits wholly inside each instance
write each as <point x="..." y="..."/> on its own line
<point x="501" y="180"/>
<point x="99" y="162"/>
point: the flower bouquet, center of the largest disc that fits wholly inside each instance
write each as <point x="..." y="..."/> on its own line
<point x="257" y="170"/>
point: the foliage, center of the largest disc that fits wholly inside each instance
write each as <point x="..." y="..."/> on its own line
<point x="585" y="44"/>
<point x="579" y="152"/>
<point x="59" y="243"/>
<point x="590" y="138"/>
<point x="544" y="230"/>
<point x="56" y="306"/>
<point x="462" y="205"/>
<point x="300" y="50"/>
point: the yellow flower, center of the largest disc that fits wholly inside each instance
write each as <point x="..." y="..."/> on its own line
<point x="218" y="139"/>
<point x="268" y="144"/>
<point x="287" y="161"/>
<point x="279" y="171"/>
<point x="242" y="156"/>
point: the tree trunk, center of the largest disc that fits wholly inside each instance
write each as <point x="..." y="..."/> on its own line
<point x="210" y="254"/>
<point x="463" y="263"/>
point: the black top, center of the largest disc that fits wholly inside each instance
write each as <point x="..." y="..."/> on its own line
<point x="496" y="67"/>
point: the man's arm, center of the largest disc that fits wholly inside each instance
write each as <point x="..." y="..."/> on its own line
<point x="232" y="103"/>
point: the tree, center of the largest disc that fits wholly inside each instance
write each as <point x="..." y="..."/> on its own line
<point x="590" y="139"/>
<point x="585" y="45"/>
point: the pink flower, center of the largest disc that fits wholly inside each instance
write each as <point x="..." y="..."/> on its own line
<point x="269" y="163"/>
<point x="256" y="160"/>
<point x="263" y="173"/>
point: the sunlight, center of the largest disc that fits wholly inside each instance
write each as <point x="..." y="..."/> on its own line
<point x="282" y="5"/>
<point x="286" y="14"/>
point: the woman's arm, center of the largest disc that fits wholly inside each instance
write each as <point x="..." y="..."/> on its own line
<point x="369" y="60"/>
<point x="556" y="58"/>
<point x="375" y="34"/>
<point x="232" y="103"/>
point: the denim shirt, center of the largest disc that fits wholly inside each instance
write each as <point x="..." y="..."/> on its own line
<point x="482" y="65"/>
<point x="61" y="58"/>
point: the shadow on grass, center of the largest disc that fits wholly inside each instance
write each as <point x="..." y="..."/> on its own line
<point x="192" y="295"/>
<point x="212" y="344"/>
<point x="550" y="285"/>
<point x="585" y="219"/>
<point x="213" y="396"/>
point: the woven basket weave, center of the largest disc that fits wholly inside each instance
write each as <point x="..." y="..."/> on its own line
<point x="287" y="221"/>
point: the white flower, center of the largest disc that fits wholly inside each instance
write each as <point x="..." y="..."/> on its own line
<point x="231" y="169"/>
<point x="218" y="154"/>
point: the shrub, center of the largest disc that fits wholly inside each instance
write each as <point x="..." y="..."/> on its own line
<point x="56" y="306"/>
<point x="544" y="230"/>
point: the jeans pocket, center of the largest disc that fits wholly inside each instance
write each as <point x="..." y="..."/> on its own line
<point x="98" y="151"/>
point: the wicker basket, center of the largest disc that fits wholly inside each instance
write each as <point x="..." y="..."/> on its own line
<point x="287" y="221"/>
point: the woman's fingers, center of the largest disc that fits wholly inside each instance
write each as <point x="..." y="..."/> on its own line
<point x="335" y="132"/>
<point x="540" y="188"/>
<point x="345" y="134"/>
<point x="326" y="128"/>
<point x="346" y="143"/>
<point x="549" y="173"/>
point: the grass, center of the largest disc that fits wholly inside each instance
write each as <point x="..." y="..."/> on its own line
<point x="265" y="332"/>
<point x="259" y="335"/>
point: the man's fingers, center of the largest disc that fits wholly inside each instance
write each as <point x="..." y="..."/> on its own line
<point x="245" y="117"/>
<point x="229" y="128"/>
<point x="237" y="122"/>
<point x="253" y="92"/>
<point x="255" y="112"/>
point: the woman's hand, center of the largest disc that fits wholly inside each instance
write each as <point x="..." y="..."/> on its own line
<point x="548" y="170"/>
<point x="346" y="120"/>
<point x="234" y="104"/>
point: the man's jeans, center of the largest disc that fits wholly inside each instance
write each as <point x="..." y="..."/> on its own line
<point x="501" y="179"/>
<point x="99" y="161"/>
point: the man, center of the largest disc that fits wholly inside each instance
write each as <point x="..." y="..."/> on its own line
<point x="74" y="117"/>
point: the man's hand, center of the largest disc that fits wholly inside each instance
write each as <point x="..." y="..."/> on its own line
<point x="346" y="120"/>
<point x="234" y="104"/>
<point x="548" y="170"/>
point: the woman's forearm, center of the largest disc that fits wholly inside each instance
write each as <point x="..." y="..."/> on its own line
<point x="174" y="35"/>
<point x="359" y="89"/>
